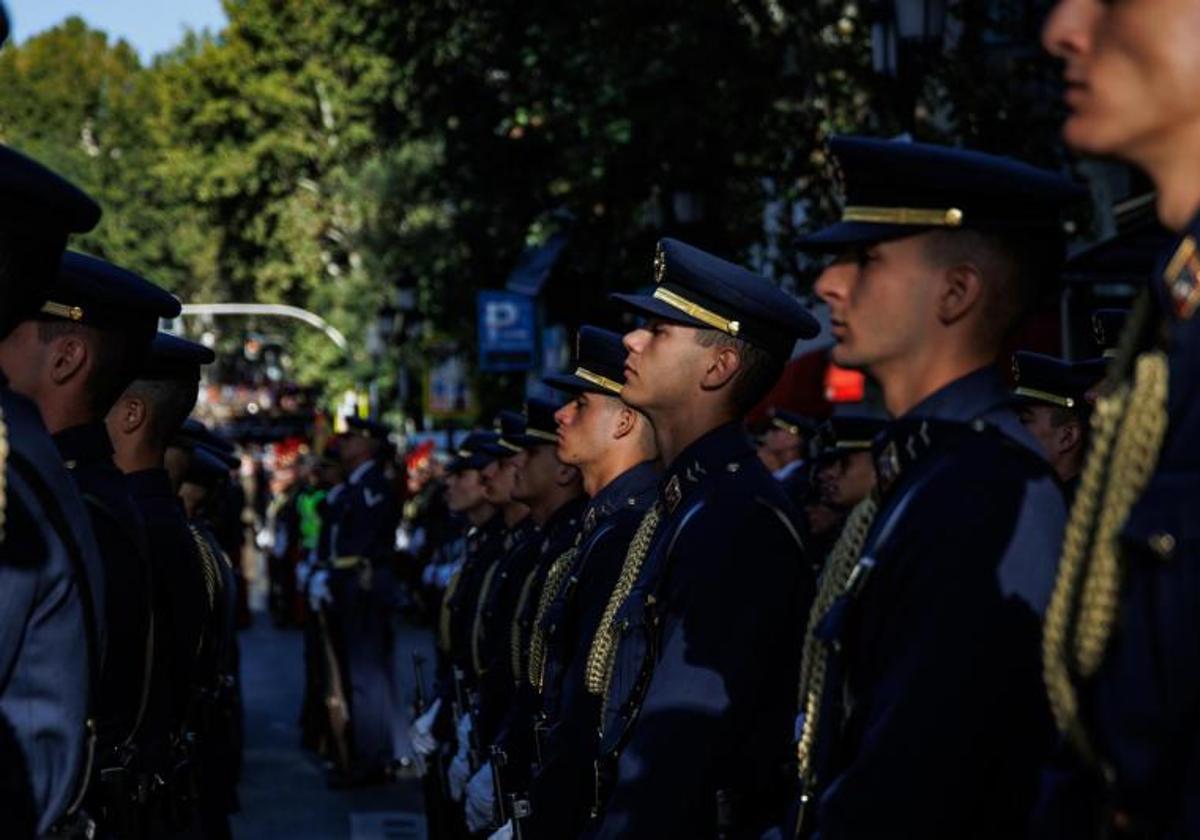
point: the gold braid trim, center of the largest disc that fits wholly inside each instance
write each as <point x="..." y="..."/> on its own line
<point x="477" y="625"/>
<point x="445" y="616"/>
<point x="1128" y="427"/>
<point x="555" y="579"/>
<point x="208" y="565"/>
<point x="3" y="473"/>
<point x="834" y="579"/>
<point x="601" y="657"/>
<point x="515" y="635"/>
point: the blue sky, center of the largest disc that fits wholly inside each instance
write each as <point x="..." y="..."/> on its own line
<point x="151" y="26"/>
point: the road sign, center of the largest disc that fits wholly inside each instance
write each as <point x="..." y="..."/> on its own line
<point x="507" y="331"/>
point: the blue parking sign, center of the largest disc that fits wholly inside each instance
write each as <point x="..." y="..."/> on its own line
<point x="507" y="326"/>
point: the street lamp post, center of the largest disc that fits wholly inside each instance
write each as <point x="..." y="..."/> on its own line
<point x="903" y="33"/>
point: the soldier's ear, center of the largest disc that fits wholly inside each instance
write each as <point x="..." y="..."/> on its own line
<point x="626" y="421"/>
<point x="68" y="357"/>
<point x="723" y="367"/>
<point x="132" y="414"/>
<point x="960" y="293"/>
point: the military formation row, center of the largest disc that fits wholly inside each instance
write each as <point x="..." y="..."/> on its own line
<point x="119" y="701"/>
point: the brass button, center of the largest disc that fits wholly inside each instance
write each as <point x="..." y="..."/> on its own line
<point x="1162" y="544"/>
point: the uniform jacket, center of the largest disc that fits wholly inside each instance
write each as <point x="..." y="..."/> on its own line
<point x="1139" y="709"/>
<point x="180" y="599"/>
<point x="51" y="625"/>
<point x="560" y="793"/>
<point x="945" y="716"/>
<point x="703" y="693"/>
<point x="120" y="534"/>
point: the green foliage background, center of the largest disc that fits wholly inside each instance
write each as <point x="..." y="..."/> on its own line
<point x="324" y="153"/>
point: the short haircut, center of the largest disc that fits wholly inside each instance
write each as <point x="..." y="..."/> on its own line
<point x="114" y="354"/>
<point x="1019" y="270"/>
<point x="758" y="373"/>
<point x="170" y="401"/>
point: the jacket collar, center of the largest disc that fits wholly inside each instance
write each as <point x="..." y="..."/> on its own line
<point x="716" y="451"/>
<point x="84" y="443"/>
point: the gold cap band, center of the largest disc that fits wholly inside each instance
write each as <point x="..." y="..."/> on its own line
<point x="598" y="380"/>
<point x="917" y="216"/>
<point x="511" y="447"/>
<point x="540" y="435"/>
<point x="61" y="310"/>
<point x="696" y="311"/>
<point x="1045" y="396"/>
<point x="790" y="428"/>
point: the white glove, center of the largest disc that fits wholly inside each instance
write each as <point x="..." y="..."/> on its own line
<point x="318" y="589"/>
<point x="457" y="775"/>
<point x="463" y="730"/>
<point x="481" y="799"/>
<point x="504" y="832"/>
<point x="421" y="734"/>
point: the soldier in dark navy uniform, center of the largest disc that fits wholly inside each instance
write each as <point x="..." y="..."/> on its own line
<point x="219" y="726"/>
<point x="613" y="447"/>
<point x="553" y="492"/>
<point x="845" y="474"/>
<point x="489" y="634"/>
<point x="1052" y="399"/>
<point x="434" y="729"/>
<point x="74" y="359"/>
<point x="366" y="597"/>
<point x="784" y="447"/>
<point x="695" y="657"/>
<point x="141" y="426"/>
<point x="51" y="576"/>
<point x="923" y="713"/>
<point x="1122" y="636"/>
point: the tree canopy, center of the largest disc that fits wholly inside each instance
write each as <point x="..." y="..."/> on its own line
<point x="328" y="153"/>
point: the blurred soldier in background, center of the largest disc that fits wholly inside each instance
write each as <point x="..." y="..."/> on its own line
<point x="1122" y="658"/>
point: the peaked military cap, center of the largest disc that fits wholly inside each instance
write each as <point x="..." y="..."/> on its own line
<point x="38" y="210"/>
<point x="508" y="426"/>
<point x="193" y="433"/>
<point x="791" y="422"/>
<point x="894" y="188"/>
<point x="1107" y="326"/>
<point x="698" y="289"/>
<point x="99" y="294"/>
<point x="363" y="427"/>
<point x="206" y="467"/>
<point x="541" y="429"/>
<point x="599" y="364"/>
<point x="1044" y="380"/>
<point x="844" y="433"/>
<point x="172" y="357"/>
<point x="475" y="452"/>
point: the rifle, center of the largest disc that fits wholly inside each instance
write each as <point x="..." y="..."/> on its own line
<point x="434" y="784"/>
<point x="335" y="695"/>
<point x="499" y="759"/>
<point x="418" y="662"/>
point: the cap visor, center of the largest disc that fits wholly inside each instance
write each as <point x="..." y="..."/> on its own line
<point x="842" y="235"/>
<point x="575" y="385"/>
<point x="652" y="307"/>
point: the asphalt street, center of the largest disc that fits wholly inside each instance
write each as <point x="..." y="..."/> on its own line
<point x="283" y="792"/>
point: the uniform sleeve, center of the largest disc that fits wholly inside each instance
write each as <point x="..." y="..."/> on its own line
<point x="949" y="721"/>
<point x="718" y="710"/>
<point x="43" y="672"/>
